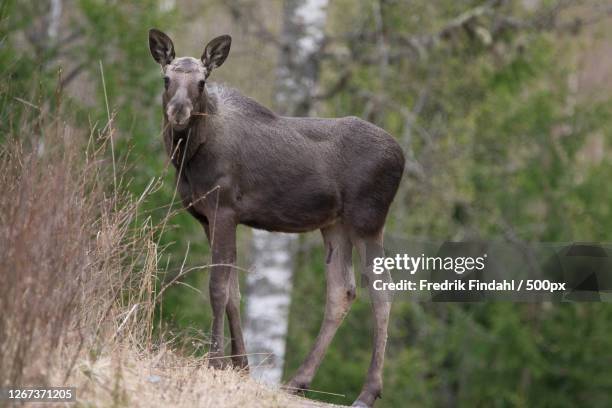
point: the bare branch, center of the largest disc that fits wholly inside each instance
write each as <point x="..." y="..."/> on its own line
<point x="74" y="72"/>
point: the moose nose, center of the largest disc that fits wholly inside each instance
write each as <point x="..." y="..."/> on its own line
<point x="179" y="113"/>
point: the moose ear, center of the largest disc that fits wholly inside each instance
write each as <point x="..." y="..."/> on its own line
<point x="216" y="52"/>
<point x="161" y="47"/>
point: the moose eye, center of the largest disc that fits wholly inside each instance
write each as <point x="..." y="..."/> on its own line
<point x="166" y="82"/>
<point x="201" y="85"/>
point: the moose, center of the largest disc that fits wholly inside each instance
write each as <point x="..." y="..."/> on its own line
<point x="237" y="162"/>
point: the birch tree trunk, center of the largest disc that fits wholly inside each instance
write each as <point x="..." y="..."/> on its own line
<point x="55" y="14"/>
<point x="270" y="282"/>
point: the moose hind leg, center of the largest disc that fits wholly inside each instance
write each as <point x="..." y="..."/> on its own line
<point x="340" y="295"/>
<point x="368" y="249"/>
<point x="239" y="357"/>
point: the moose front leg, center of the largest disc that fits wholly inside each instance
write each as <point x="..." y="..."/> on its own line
<point x="239" y="357"/>
<point x="223" y="243"/>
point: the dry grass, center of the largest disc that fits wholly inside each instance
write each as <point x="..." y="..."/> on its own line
<point x="73" y="256"/>
<point x="80" y="282"/>
<point x="131" y="378"/>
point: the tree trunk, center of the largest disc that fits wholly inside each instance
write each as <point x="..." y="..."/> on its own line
<point x="269" y="285"/>
<point x="55" y="14"/>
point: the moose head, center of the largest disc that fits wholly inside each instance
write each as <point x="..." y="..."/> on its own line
<point x="185" y="77"/>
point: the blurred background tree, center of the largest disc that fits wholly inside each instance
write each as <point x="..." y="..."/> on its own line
<point x="502" y="108"/>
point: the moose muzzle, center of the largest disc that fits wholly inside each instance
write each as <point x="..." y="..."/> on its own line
<point x="179" y="111"/>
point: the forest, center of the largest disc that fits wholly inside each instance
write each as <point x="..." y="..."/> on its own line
<point x="502" y="109"/>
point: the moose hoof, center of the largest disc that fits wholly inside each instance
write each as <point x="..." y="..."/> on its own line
<point x="217" y="362"/>
<point x="241" y="363"/>
<point x="368" y="397"/>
